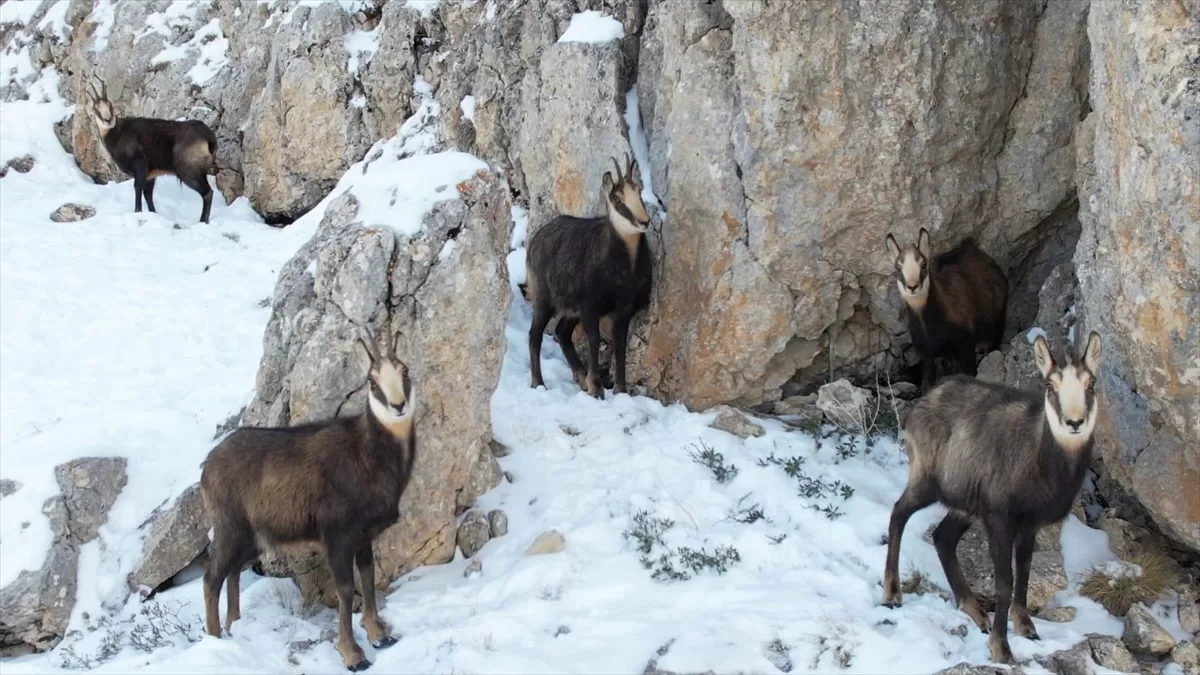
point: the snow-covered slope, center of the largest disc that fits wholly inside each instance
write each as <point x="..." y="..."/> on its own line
<point x="123" y="335"/>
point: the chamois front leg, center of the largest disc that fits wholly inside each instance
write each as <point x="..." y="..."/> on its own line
<point x="140" y="171"/>
<point x="1024" y="548"/>
<point x="591" y="325"/>
<point x="1000" y="541"/>
<point x="620" y="336"/>
<point x="148" y="191"/>
<point x="378" y="632"/>
<point x="341" y="562"/>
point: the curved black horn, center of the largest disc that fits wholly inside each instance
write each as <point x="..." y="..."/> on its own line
<point x="392" y="346"/>
<point x="629" y="160"/>
<point x="617" y="178"/>
<point x="368" y="342"/>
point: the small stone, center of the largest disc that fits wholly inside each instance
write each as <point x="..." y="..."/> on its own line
<point x="22" y="164"/>
<point x="966" y="668"/>
<point x="1111" y="653"/>
<point x="1187" y="655"/>
<point x="1144" y="635"/>
<point x="474" y="567"/>
<point x="550" y="541"/>
<point x="734" y="422"/>
<point x="473" y="533"/>
<point x="903" y="390"/>
<point x="8" y="486"/>
<point x="1073" y="661"/>
<point x="1058" y="614"/>
<point x="846" y="405"/>
<point x="497" y="523"/>
<point x="1189" y="612"/>
<point x="72" y="213"/>
<point x="796" y="405"/>
<point x="499" y="449"/>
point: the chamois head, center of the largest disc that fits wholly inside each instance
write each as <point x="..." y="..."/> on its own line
<point x="99" y="107"/>
<point x="391" y="397"/>
<point x="1070" y="392"/>
<point x="912" y="266"/>
<point x="624" y="198"/>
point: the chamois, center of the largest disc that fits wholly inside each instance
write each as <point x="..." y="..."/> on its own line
<point x="147" y="148"/>
<point x="1011" y="458"/>
<point x="954" y="305"/>
<point x="587" y="269"/>
<point x="336" y="484"/>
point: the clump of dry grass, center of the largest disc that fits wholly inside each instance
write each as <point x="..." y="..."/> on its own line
<point x="1118" y="586"/>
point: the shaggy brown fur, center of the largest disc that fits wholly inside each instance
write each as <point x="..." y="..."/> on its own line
<point x="335" y="485"/>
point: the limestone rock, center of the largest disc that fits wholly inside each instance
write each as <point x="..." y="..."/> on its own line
<point x="573" y="124"/>
<point x="550" y="541"/>
<point x="71" y="213"/>
<point x="473" y="533"/>
<point x="1074" y="661"/>
<point x="734" y="422"/>
<point x="176" y="536"/>
<point x="847" y="406"/>
<point x="1189" y="612"/>
<point x="1139" y="285"/>
<point x="1056" y="319"/>
<point x="1058" y="614"/>
<point x="37" y="606"/>
<point x="1144" y="635"/>
<point x="442" y="307"/>
<point x="966" y="668"/>
<point x="1187" y="655"/>
<point x="778" y="208"/>
<point x="8" y="486"/>
<point x="1111" y="653"/>
<point x="497" y="523"/>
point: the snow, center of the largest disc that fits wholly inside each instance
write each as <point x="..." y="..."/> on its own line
<point x="207" y="44"/>
<point x="103" y="15"/>
<point x="122" y="335"/>
<point x="55" y="20"/>
<point x="641" y="149"/>
<point x="18" y="11"/>
<point x="467" y="105"/>
<point x="1035" y="333"/>
<point x="425" y="8"/>
<point x="361" y="45"/>
<point x="592" y="27"/>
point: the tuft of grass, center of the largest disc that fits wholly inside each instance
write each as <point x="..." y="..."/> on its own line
<point x="715" y="462"/>
<point x="1118" y="587"/>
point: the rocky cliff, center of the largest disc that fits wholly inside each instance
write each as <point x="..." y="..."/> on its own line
<point x="782" y="141"/>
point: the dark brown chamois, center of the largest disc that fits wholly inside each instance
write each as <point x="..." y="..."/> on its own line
<point x="954" y="304"/>
<point x="147" y="148"/>
<point x="1011" y="458"/>
<point x="334" y="484"/>
<point x="587" y="269"/>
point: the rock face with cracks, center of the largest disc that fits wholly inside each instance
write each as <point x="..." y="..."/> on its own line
<point x="37" y="606"/>
<point x="1138" y="261"/>
<point x="442" y="308"/>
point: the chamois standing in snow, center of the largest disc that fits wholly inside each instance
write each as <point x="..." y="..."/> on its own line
<point x="336" y="484"/>
<point x="955" y="302"/>
<point x="147" y="148"/>
<point x="587" y="269"/>
<point x="1013" y="459"/>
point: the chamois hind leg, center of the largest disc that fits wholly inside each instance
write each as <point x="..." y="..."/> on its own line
<point x="928" y="372"/>
<point x="945" y="539"/>
<point x="1000" y="541"/>
<point x="591" y="325"/>
<point x="139" y="183"/>
<point x="148" y="192"/>
<point x="920" y="493"/>
<point x="200" y="184"/>
<point x="564" y="333"/>
<point x="1023" y="549"/>
<point x="378" y="632"/>
<point x="340" y="550"/>
<point x="620" y="336"/>
<point x="542" y="313"/>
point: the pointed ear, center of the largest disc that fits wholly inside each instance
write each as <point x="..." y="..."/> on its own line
<point x="892" y="246"/>
<point x="1093" y="352"/>
<point x="1042" y="356"/>
<point x="923" y="242"/>
<point x="607" y="182"/>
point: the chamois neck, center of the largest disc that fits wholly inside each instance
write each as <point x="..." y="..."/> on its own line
<point x="629" y="234"/>
<point x="383" y="421"/>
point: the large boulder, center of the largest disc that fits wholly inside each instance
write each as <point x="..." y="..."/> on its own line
<point x="443" y="289"/>
<point x="37" y="606"/>
<point x="175" y="536"/>
<point x="799" y="134"/>
<point x="1137" y="260"/>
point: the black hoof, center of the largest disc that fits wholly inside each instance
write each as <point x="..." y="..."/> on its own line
<point x="359" y="667"/>
<point x="1035" y="636"/>
<point x="385" y="642"/>
<point x="892" y="605"/>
